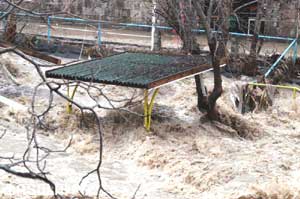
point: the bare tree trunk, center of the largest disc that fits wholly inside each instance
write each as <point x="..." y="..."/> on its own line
<point x="11" y="28"/>
<point x="217" y="42"/>
<point x="179" y="14"/>
<point x="251" y="67"/>
<point x="190" y="44"/>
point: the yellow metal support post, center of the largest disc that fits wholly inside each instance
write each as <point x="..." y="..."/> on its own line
<point x="151" y="108"/>
<point x="148" y="107"/>
<point x="71" y="97"/>
<point x="146" y="93"/>
<point x="295" y="94"/>
<point x="293" y="88"/>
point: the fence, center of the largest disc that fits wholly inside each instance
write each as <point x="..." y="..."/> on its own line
<point x="132" y="33"/>
<point x="293" y="45"/>
<point x="146" y="26"/>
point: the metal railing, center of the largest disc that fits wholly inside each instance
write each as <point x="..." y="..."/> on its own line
<point x="293" y="45"/>
<point x="99" y="23"/>
<point x="293" y="88"/>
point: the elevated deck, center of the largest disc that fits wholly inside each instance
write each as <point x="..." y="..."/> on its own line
<point x="137" y="70"/>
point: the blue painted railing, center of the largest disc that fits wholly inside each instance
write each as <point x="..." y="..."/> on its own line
<point x="293" y="45"/>
<point x="137" y="25"/>
<point x="49" y="29"/>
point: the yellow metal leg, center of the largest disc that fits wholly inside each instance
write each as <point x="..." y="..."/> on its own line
<point x="71" y="97"/>
<point x="69" y="106"/>
<point x="151" y="108"/>
<point x="148" y="108"/>
<point x="146" y="93"/>
<point x="294" y="94"/>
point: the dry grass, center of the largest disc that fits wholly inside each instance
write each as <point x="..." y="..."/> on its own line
<point x="8" y="63"/>
<point x="275" y="191"/>
<point x="134" y="116"/>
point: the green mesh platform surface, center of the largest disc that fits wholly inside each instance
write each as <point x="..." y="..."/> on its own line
<point x="136" y="70"/>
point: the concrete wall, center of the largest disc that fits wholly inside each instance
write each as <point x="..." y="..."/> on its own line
<point x="280" y="14"/>
<point x="280" y="17"/>
<point x="112" y="10"/>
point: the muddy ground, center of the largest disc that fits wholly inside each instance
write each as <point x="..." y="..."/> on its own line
<point x="184" y="156"/>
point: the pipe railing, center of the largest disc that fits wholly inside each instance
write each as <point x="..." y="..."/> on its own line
<point x="293" y="45"/>
<point x="293" y="88"/>
<point x="138" y="25"/>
